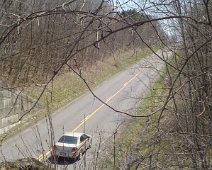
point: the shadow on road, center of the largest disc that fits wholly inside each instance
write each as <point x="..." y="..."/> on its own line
<point x="61" y="160"/>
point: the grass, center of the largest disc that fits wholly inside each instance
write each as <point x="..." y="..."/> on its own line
<point x="167" y="148"/>
<point x="67" y="86"/>
<point x="133" y="127"/>
<point x="163" y="149"/>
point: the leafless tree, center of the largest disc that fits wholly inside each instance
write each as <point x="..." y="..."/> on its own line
<point x="40" y="39"/>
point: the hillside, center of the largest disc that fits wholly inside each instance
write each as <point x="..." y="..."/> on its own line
<point x="53" y="51"/>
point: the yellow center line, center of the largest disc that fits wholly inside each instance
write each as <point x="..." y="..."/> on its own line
<point x="41" y="157"/>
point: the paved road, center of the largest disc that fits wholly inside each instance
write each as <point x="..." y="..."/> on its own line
<point x="121" y="92"/>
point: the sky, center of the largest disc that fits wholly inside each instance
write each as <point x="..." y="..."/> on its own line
<point x="139" y="5"/>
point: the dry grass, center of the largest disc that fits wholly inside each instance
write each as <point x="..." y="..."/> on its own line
<point x="67" y="86"/>
<point x="131" y="130"/>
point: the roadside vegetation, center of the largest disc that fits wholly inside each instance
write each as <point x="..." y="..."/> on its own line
<point x="156" y="142"/>
<point x="136" y="137"/>
<point x="43" y="43"/>
<point x="67" y="86"/>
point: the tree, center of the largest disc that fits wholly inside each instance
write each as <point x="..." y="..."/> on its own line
<point x="39" y="39"/>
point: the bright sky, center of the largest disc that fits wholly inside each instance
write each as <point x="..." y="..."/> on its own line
<point x="138" y="4"/>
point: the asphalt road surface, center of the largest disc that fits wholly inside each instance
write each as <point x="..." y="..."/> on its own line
<point x="87" y="114"/>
